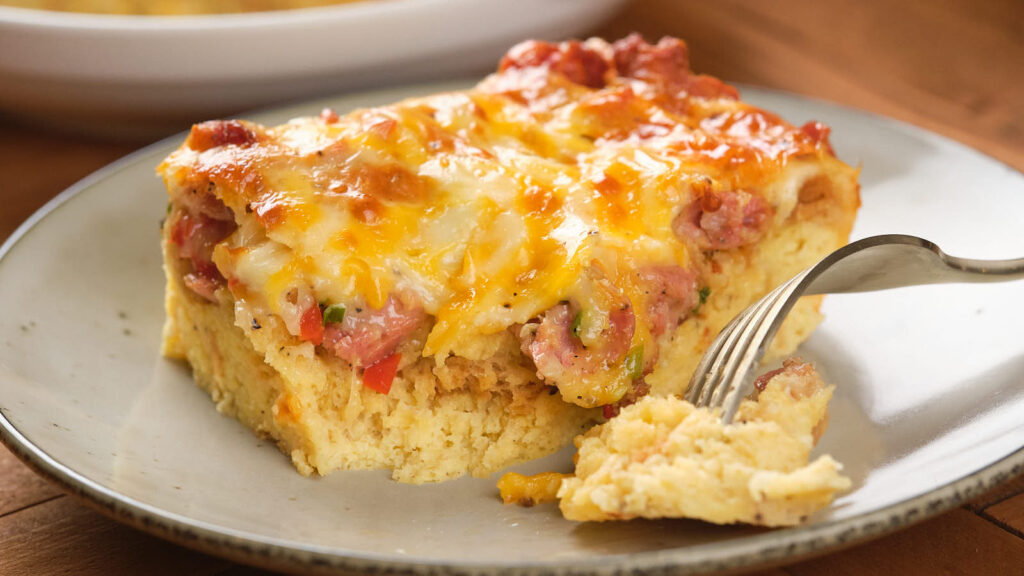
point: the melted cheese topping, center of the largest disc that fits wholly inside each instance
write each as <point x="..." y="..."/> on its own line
<point x="488" y="205"/>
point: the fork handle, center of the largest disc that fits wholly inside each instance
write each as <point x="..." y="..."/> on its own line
<point x="897" y="260"/>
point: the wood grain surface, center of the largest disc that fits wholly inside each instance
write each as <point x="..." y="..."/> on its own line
<point x="953" y="66"/>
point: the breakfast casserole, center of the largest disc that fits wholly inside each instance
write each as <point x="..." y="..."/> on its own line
<point x="459" y="282"/>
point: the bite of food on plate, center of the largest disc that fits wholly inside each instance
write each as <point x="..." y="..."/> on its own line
<point x="459" y="282"/>
<point x="664" y="458"/>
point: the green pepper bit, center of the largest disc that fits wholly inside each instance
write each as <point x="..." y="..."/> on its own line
<point x="634" y="362"/>
<point x="334" y="314"/>
<point x="702" y="295"/>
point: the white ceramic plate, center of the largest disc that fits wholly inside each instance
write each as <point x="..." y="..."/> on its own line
<point x="928" y="410"/>
<point x="147" y="74"/>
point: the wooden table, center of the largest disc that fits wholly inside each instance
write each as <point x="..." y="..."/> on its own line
<point x="952" y="66"/>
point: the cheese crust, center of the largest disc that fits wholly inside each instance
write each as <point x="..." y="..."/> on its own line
<point x="589" y="216"/>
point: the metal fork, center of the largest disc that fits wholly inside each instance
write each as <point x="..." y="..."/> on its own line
<point x="725" y="374"/>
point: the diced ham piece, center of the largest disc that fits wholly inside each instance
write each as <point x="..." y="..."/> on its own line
<point x="368" y="335"/>
<point x="216" y="133"/>
<point x="666" y="64"/>
<point x="573" y="60"/>
<point x="818" y="133"/>
<point x="670" y="294"/>
<point x="659" y="70"/>
<point x="762" y="381"/>
<point x="329" y="116"/>
<point x="556" y="350"/>
<point x="195" y="234"/>
<point x="667" y="61"/>
<point x="201" y="201"/>
<point x="724" y="220"/>
<point x="802" y="386"/>
<point x="204" y="280"/>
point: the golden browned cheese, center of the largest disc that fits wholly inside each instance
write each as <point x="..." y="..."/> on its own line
<point x="530" y="490"/>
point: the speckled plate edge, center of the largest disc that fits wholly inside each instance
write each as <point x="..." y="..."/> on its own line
<point x="762" y="550"/>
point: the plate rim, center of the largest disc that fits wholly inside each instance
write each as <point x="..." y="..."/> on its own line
<point x="56" y="19"/>
<point x="767" y="549"/>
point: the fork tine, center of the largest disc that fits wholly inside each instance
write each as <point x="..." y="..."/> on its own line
<point x="762" y="336"/>
<point x="717" y="369"/>
<point x="702" y="375"/>
<point x="712" y="377"/>
<point x="708" y="376"/>
<point x="733" y="367"/>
